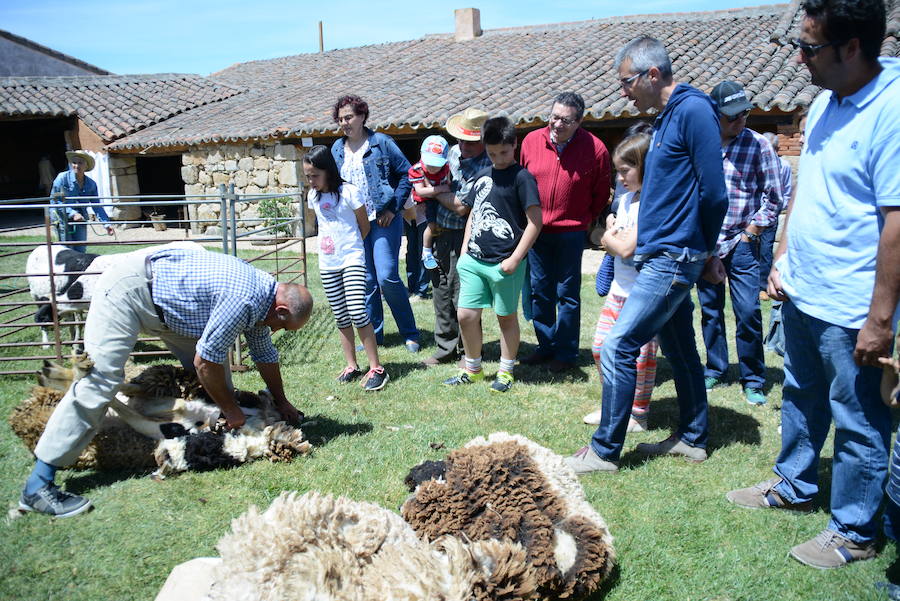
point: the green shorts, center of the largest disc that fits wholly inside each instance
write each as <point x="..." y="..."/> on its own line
<point x="483" y="285"/>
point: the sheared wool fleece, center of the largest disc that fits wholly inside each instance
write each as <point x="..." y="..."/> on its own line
<point x="317" y="547"/>
<point x="512" y="489"/>
<point x="130" y="437"/>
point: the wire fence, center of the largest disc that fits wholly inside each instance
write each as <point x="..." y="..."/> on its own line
<point x="42" y="306"/>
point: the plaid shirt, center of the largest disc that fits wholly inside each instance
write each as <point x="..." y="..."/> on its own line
<point x="215" y="298"/>
<point x="753" y="179"/>
<point x="462" y="172"/>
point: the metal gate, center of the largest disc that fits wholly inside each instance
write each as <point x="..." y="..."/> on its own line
<point x="238" y="229"/>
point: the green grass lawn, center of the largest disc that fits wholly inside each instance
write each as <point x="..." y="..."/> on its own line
<point x="675" y="534"/>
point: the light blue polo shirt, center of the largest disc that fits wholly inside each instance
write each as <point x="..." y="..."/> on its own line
<point x="849" y="167"/>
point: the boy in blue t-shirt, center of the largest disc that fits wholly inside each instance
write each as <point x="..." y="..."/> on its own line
<point x="504" y="223"/>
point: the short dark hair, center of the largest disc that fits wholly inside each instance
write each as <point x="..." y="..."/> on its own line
<point x="571" y="100"/>
<point x="843" y="20"/>
<point x="638" y="127"/>
<point x="498" y="130"/>
<point x="320" y="157"/>
<point x="360" y="106"/>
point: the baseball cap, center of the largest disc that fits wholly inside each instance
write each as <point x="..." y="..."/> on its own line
<point x="434" y="151"/>
<point x="730" y="98"/>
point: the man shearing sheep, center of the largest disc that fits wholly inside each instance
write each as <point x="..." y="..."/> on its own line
<point x="198" y="303"/>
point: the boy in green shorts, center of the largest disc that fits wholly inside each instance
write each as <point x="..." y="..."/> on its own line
<point x="504" y="222"/>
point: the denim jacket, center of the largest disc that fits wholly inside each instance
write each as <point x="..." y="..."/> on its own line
<point x="386" y="171"/>
<point x="66" y="183"/>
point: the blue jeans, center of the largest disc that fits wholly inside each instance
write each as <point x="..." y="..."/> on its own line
<point x="742" y="269"/>
<point x="75" y="232"/>
<point x="822" y="383"/>
<point x="555" y="263"/>
<point x="766" y="246"/>
<point x="383" y="276"/>
<point x="416" y="274"/>
<point x="659" y="305"/>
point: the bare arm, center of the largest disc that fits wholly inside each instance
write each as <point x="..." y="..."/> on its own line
<point x="774" y="288"/>
<point x="875" y="336"/>
<point x="362" y="220"/>
<point x="449" y="201"/>
<point x="426" y="190"/>
<point x="271" y="375"/>
<point x="535" y="223"/>
<point x="212" y="378"/>
<point x="619" y="242"/>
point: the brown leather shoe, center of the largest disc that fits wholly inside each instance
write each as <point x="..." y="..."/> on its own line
<point x="433" y="361"/>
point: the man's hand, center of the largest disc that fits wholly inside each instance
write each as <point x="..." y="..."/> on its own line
<point x="109" y="230"/>
<point x="234" y="418"/>
<point x="77" y="217"/>
<point x="289" y="413"/>
<point x="385" y="218"/>
<point x="714" y="271"/>
<point x="773" y="285"/>
<point x="509" y="265"/>
<point x="872" y="343"/>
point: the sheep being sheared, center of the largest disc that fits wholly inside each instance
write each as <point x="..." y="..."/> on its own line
<point x="320" y="547"/>
<point x="160" y="419"/>
<point x="512" y="489"/>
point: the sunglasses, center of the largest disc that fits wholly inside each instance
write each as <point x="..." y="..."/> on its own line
<point x="629" y="81"/>
<point x="810" y="50"/>
<point x="740" y="115"/>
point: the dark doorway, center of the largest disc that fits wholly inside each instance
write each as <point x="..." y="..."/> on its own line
<point x="162" y="175"/>
<point x="23" y="144"/>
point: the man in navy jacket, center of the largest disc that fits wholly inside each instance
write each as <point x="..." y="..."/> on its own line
<point x="683" y="203"/>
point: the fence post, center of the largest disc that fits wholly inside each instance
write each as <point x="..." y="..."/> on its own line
<point x="57" y="337"/>
<point x="223" y="217"/>
<point x="232" y="215"/>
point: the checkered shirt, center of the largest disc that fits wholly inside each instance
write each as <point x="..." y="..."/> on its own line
<point x="215" y="298"/>
<point x="462" y="172"/>
<point x="753" y="179"/>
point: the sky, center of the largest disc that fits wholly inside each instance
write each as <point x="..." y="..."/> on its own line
<point x="203" y="36"/>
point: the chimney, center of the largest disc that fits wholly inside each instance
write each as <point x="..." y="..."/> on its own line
<point x="468" y="24"/>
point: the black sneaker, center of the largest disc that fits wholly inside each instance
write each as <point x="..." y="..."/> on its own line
<point x="349" y="374"/>
<point x="54" y="501"/>
<point x="375" y="379"/>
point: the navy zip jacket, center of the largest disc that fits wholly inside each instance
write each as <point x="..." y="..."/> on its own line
<point x="683" y="196"/>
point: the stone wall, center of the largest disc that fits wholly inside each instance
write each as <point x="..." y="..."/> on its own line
<point x="253" y="169"/>
<point x="123" y="181"/>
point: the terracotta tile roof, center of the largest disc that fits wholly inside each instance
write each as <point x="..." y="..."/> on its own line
<point x="420" y="83"/>
<point x="113" y="106"/>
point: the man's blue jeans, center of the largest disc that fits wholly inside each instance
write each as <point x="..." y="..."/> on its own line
<point x="766" y="246"/>
<point x="555" y="263"/>
<point x="659" y="305"/>
<point x="822" y="383"/>
<point x="416" y="274"/>
<point x="742" y="269"/>
<point x="382" y="276"/>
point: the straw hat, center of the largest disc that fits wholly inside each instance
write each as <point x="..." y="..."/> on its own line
<point x="88" y="159"/>
<point x="467" y="124"/>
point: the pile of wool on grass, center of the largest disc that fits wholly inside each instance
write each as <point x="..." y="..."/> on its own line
<point x="317" y="546"/>
<point x="509" y="488"/>
<point x="161" y="418"/>
<point x="502" y="519"/>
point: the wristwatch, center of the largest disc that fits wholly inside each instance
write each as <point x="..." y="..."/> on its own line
<point x="751" y="237"/>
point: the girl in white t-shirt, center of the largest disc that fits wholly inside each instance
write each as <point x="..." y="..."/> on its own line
<point x="620" y="241"/>
<point x="343" y="223"/>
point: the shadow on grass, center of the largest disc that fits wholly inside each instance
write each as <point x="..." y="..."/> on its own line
<point x="86" y="481"/>
<point x="727" y="427"/>
<point x="320" y="430"/>
<point x="607" y="585"/>
<point x="774" y="375"/>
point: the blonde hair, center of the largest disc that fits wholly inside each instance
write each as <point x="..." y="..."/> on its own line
<point x="632" y="151"/>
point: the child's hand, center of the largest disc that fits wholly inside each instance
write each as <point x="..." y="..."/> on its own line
<point x="890" y="381"/>
<point x="509" y="265"/>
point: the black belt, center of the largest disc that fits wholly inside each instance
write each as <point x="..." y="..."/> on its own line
<point x="159" y="311"/>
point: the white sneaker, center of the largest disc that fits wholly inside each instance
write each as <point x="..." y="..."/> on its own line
<point x="637" y="424"/>
<point x="593" y="418"/>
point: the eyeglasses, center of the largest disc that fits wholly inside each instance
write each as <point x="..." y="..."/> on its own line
<point x="810" y="50"/>
<point x="741" y="115"/>
<point x="627" y="82"/>
<point x="564" y="121"/>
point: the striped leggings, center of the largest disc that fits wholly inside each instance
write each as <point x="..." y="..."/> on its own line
<point x="646" y="362"/>
<point x="345" y="290"/>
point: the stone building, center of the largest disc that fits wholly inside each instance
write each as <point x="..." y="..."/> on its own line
<point x="250" y="124"/>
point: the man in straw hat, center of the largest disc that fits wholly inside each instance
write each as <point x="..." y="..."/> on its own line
<point x="71" y="221"/>
<point x="466" y="158"/>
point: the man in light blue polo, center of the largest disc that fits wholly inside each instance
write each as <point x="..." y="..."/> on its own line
<point x="838" y="273"/>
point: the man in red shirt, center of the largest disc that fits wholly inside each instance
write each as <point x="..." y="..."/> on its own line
<point x="572" y="169"/>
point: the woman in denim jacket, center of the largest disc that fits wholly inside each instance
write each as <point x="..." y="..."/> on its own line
<point x="372" y="162"/>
